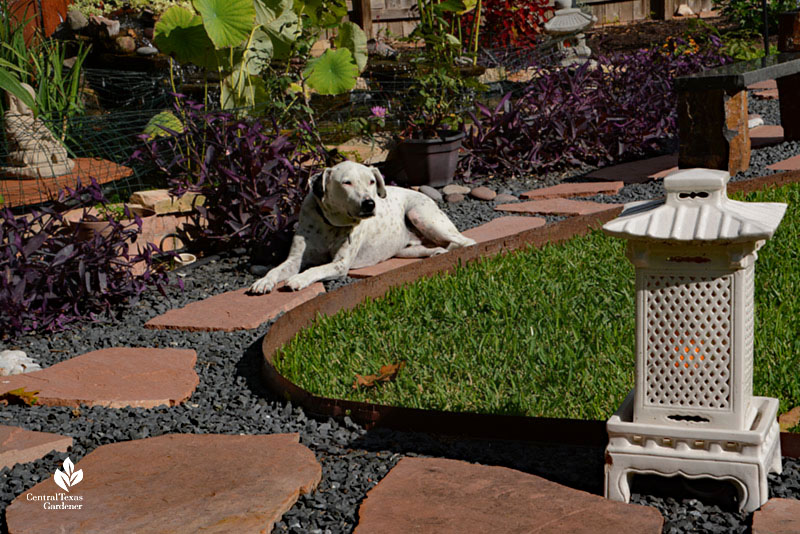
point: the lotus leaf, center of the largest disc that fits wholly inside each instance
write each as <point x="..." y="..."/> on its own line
<point x="333" y="73"/>
<point x="227" y="22"/>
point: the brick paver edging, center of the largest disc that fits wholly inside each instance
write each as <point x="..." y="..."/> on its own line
<point x="463" y="424"/>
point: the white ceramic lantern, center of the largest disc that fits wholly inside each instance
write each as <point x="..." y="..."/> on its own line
<point x="692" y="411"/>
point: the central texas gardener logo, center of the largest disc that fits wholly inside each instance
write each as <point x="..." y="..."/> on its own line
<point x="68" y="477"/>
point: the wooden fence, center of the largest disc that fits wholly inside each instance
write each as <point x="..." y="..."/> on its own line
<point x="398" y="17"/>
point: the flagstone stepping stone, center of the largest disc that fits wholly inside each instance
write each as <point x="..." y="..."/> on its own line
<point x="177" y="483"/>
<point x="585" y="189"/>
<point x="769" y="134"/>
<point x="778" y="516"/>
<point x="766" y="84"/>
<point x="767" y="94"/>
<point x="18" y="446"/>
<point x="114" y="378"/>
<point x="556" y="206"/>
<point x="454" y="198"/>
<point x="635" y="172"/>
<point x="234" y="310"/>
<point x="450" y="496"/>
<point x="483" y="193"/>
<point x="503" y="227"/>
<point x="505" y="197"/>
<point x="382" y="267"/>
<point x="791" y="164"/>
<point x="494" y="229"/>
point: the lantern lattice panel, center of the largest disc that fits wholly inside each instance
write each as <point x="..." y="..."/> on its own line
<point x="688" y="349"/>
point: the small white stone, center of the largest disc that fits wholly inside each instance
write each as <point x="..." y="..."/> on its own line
<point x="754" y="122"/>
<point x="684" y="11"/>
<point x="15" y="362"/>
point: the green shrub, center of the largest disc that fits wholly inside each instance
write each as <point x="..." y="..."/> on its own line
<point x="747" y="14"/>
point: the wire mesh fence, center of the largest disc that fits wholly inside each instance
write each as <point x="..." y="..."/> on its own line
<point x="119" y="104"/>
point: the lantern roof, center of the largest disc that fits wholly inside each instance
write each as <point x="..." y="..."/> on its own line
<point x="697" y="208"/>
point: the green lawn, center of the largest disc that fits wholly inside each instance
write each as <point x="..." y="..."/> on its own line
<point x="546" y="332"/>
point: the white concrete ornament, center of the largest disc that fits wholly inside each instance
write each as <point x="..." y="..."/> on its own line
<point x="692" y="411"/>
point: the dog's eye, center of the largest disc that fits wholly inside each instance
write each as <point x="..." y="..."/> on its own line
<point x="347" y="182"/>
<point x="372" y="182"/>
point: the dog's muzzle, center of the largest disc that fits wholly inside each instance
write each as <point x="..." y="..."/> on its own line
<point x="367" y="208"/>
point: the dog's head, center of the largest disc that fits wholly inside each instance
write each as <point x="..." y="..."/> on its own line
<point x="347" y="192"/>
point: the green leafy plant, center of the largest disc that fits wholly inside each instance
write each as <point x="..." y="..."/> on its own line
<point x="747" y="15"/>
<point x="440" y="88"/>
<point x="40" y="64"/>
<point x="743" y="45"/>
<point x="242" y="39"/>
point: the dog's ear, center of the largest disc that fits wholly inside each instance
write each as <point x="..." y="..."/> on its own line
<point x="319" y="183"/>
<point x="379" y="180"/>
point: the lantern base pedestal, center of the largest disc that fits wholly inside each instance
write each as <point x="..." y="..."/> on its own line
<point x="743" y="457"/>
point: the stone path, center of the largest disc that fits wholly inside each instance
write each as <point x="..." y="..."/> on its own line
<point x="428" y="495"/>
<point x="769" y="134"/>
<point x="640" y="171"/>
<point x="234" y="310"/>
<point x="114" y="378"/>
<point x="176" y="483"/>
<point x="18" y="445"/>
<point x="790" y="164"/>
<point x="778" y="516"/>
<point x="556" y="206"/>
<point x="495" y="229"/>
<point x="579" y="189"/>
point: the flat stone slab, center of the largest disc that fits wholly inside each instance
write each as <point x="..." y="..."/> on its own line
<point x="769" y="134"/>
<point x="18" y="446"/>
<point x="585" y="189"/>
<point x="636" y="172"/>
<point x="177" y="483"/>
<point x="114" y="378"/>
<point x="791" y="164"/>
<point x="494" y="229"/>
<point x="382" y="267"/>
<point x="503" y="227"/>
<point x="767" y="94"/>
<point x="778" y="516"/>
<point x="766" y="84"/>
<point x="451" y="496"/>
<point x="234" y="310"/>
<point x="556" y="206"/>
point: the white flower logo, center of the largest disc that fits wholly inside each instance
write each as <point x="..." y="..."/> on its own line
<point x="68" y="478"/>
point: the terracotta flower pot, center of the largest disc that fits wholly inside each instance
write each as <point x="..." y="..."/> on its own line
<point x="86" y="229"/>
<point x="431" y="161"/>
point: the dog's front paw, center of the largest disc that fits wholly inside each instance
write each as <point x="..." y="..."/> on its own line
<point x="263" y="285"/>
<point x="298" y="282"/>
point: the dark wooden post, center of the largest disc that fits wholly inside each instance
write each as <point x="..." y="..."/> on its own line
<point x="713" y="132"/>
<point x="362" y="15"/>
<point x="789" y="86"/>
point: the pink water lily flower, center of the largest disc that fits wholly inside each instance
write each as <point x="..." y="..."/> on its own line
<point x="378" y="111"/>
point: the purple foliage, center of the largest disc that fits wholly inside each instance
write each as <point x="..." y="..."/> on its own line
<point x="253" y="177"/>
<point x="568" y="116"/>
<point x="50" y="278"/>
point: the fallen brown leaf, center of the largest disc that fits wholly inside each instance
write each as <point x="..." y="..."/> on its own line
<point x="789" y="419"/>
<point x="19" y="397"/>
<point x="387" y="374"/>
